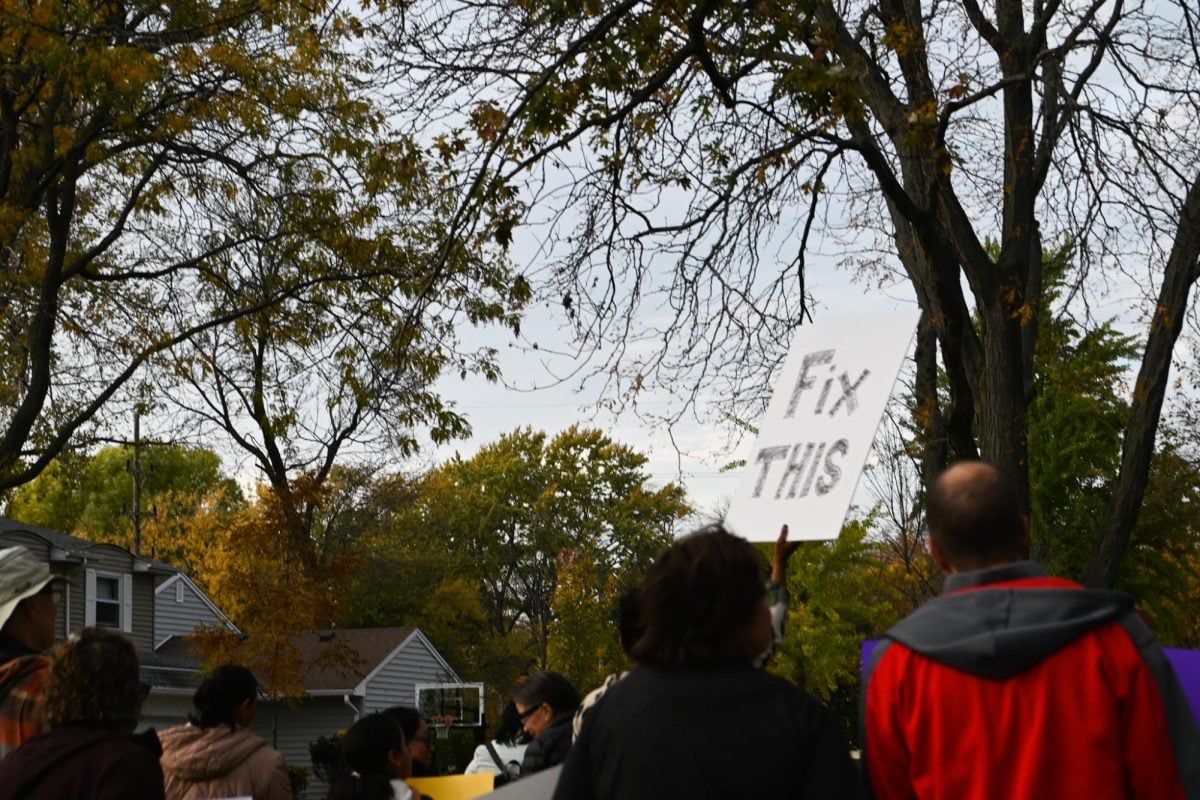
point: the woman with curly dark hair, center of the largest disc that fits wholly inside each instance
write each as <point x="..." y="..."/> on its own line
<point x="92" y="703"/>
<point x="695" y="718"/>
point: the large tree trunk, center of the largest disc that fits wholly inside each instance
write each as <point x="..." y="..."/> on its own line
<point x="1112" y="539"/>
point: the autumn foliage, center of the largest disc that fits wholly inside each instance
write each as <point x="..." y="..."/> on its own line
<point x="265" y="573"/>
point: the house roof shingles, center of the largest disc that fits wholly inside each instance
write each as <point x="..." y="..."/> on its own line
<point x="329" y="663"/>
<point x="74" y="545"/>
<point x="325" y="670"/>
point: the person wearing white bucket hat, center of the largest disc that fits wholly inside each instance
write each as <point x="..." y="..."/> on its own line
<point x="27" y="612"/>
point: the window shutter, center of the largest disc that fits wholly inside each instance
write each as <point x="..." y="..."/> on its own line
<point x="127" y="603"/>
<point x="89" y="599"/>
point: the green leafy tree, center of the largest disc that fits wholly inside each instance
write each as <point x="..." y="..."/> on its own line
<point x="212" y="195"/>
<point x="1076" y="424"/>
<point x="91" y="495"/>
<point x="584" y="636"/>
<point x="842" y="593"/>
<point x="1164" y="569"/>
<point x="520" y="503"/>
<point x="904" y="135"/>
<point x="1075" y="427"/>
<point x="475" y="550"/>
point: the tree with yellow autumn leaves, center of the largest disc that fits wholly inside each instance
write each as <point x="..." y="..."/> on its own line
<point x="207" y="201"/>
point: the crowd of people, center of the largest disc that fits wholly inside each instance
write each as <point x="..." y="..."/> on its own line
<point x="1012" y="684"/>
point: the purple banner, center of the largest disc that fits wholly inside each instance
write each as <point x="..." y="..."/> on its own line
<point x="1187" y="668"/>
<point x="1185" y="662"/>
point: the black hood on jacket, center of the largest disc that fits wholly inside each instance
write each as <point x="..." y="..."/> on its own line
<point x="1000" y="632"/>
<point x="48" y="752"/>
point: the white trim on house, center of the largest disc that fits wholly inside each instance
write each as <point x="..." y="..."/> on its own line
<point x="124" y="601"/>
<point x="89" y="591"/>
<point x="361" y="689"/>
<point x="127" y="602"/>
<point x="180" y="578"/>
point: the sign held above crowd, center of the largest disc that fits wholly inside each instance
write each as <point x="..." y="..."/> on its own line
<point x="818" y="430"/>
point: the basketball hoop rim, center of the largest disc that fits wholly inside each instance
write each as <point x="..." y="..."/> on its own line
<point x="442" y="724"/>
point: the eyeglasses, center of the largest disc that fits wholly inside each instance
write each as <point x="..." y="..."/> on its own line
<point x="529" y="712"/>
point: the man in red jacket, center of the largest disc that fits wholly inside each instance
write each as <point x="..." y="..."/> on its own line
<point x="1014" y="684"/>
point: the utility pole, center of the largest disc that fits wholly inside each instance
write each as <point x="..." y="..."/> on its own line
<point x="136" y="470"/>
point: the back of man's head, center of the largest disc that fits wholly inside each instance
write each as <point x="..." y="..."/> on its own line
<point x="974" y="516"/>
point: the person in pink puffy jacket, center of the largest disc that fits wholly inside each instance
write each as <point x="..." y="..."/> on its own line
<point x="216" y="754"/>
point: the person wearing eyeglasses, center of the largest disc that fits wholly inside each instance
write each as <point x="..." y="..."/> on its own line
<point x="379" y="759"/>
<point x="545" y="704"/>
<point x="28" y="606"/>
<point x="695" y="717"/>
<point x="416" y="735"/>
<point x="92" y="703"/>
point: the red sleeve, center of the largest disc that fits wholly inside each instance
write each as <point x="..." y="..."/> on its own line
<point x="21" y="708"/>
<point x="887" y="757"/>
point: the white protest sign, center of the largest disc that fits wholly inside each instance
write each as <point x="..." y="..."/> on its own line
<point x="814" y="440"/>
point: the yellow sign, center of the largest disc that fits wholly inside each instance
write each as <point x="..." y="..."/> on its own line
<point x="454" y="787"/>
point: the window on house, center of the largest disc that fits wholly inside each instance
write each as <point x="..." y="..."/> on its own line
<point x="108" y="602"/>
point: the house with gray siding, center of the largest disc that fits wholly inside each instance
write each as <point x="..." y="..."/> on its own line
<point x="383" y="669"/>
<point x="159" y="607"/>
<point x="103" y="585"/>
<point x="180" y="607"/>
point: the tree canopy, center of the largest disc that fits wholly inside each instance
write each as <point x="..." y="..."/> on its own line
<point x="483" y="545"/>
<point x="91" y="496"/>
<point x="734" y="140"/>
<point x="211" y="195"/>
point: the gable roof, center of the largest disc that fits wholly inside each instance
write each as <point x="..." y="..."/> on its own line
<point x="179" y="577"/>
<point x="374" y="647"/>
<point x="75" y="548"/>
<point x="321" y="669"/>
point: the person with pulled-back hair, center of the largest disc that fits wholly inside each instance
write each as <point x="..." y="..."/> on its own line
<point x="416" y="736"/>
<point x="216" y="754"/>
<point x="695" y="718"/>
<point x="376" y="752"/>
<point x="502" y="756"/>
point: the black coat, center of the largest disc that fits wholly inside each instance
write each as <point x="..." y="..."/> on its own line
<point x="551" y="747"/>
<point x="707" y="734"/>
<point x="78" y="763"/>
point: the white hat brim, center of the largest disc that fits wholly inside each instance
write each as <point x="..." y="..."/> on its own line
<point x="9" y="607"/>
